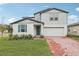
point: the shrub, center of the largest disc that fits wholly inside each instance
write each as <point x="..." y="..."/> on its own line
<point x="21" y="37"/>
<point x="24" y="37"/>
<point x="15" y="37"/>
<point x="29" y="36"/>
<point x="10" y="36"/>
<point x="41" y="36"/>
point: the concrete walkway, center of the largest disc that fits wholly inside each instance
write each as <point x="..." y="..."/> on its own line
<point x="63" y="46"/>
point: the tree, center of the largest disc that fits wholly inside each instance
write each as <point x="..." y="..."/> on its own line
<point x="9" y="28"/>
<point x="2" y="28"/>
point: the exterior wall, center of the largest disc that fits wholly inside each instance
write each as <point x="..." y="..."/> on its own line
<point x="30" y="30"/>
<point x="74" y="30"/>
<point x="30" y="27"/>
<point x="62" y="18"/>
<point x="37" y="17"/>
<point x="61" y="22"/>
<point x="45" y="17"/>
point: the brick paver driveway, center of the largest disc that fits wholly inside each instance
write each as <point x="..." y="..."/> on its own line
<point x="63" y="46"/>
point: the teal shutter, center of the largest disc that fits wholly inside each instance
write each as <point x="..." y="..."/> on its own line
<point x="25" y="28"/>
<point x="18" y="28"/>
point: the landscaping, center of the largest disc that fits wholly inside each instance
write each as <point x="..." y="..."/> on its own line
<point x="76" y="37"/>
<point x="23" y="47"/>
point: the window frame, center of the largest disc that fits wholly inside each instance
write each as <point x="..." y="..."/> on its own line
<point x="22" y="28"/>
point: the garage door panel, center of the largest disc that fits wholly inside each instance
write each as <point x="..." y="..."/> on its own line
<point x="54" y="31"/>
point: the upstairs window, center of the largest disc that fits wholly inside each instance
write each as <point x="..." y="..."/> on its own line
<point x="51" y="18"/>
<point x="54" y="16"/>
<point x="22" y="28"/>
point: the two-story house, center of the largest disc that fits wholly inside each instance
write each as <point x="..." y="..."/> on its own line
<point x="48" y="22"/>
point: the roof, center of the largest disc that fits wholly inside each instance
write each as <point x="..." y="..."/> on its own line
<point x="74" y="24"/>
<point x="27" y="18"/>
<point x="43" y="11"/>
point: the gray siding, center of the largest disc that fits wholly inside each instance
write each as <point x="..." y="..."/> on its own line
<point x="37" y="17"/>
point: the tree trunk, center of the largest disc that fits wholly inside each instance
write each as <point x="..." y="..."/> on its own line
<point x="2" y="33"/>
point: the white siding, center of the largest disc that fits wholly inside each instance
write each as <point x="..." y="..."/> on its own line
<point x="30" y="30"/>
<point x="30" y="27"/>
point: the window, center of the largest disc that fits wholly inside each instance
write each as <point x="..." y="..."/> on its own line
<point x="56" y="18"/>
<point x="51" y="18"/>
<point x="22" y="28"/>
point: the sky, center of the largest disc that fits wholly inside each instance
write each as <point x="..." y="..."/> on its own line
<point x="10" y="12"/>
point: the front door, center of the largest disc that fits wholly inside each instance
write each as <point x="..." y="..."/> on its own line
<point x="38" y="30"/>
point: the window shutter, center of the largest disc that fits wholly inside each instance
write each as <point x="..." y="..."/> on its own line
<point x="18" y="28"/>
<point x="25" y="28"/>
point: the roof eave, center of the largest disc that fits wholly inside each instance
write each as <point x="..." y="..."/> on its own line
<point x="73" y="25"/>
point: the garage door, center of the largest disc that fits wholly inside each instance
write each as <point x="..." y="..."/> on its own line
<point x="56" y="31"/>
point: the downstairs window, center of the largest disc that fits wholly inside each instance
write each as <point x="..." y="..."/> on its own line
<point x="22" y="28"/>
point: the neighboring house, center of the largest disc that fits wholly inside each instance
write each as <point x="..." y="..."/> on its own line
<point x="48" y="22"/>
<point x="73" y="29"/>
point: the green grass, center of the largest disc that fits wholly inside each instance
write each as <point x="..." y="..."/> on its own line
<point x="23" y="47"/>
<point x="74" y="37"/>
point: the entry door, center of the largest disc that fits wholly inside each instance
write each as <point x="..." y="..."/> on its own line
<point x="37" y="30"/>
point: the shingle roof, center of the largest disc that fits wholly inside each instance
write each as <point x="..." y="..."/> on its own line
<point x="74" y="24"/>
<point x="27" y="18"/>
<point x="51" y="9"/>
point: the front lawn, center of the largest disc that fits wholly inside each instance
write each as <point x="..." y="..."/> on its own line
<point x="24" y="48"/>
<point x="74" y="37"/>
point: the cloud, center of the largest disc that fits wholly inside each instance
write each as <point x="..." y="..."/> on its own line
<point x="33" y="10"/>
<point x="73" y="19"/>
<point x="3" y="3"/>
<point x="77" y="9"/>
<point x="11" y="20"/>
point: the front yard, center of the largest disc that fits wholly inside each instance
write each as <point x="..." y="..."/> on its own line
<point x="24" y="48"/>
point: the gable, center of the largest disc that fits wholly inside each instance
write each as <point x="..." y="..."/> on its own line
<point x="27" y="20"/>
<point x="49" y="9"/>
